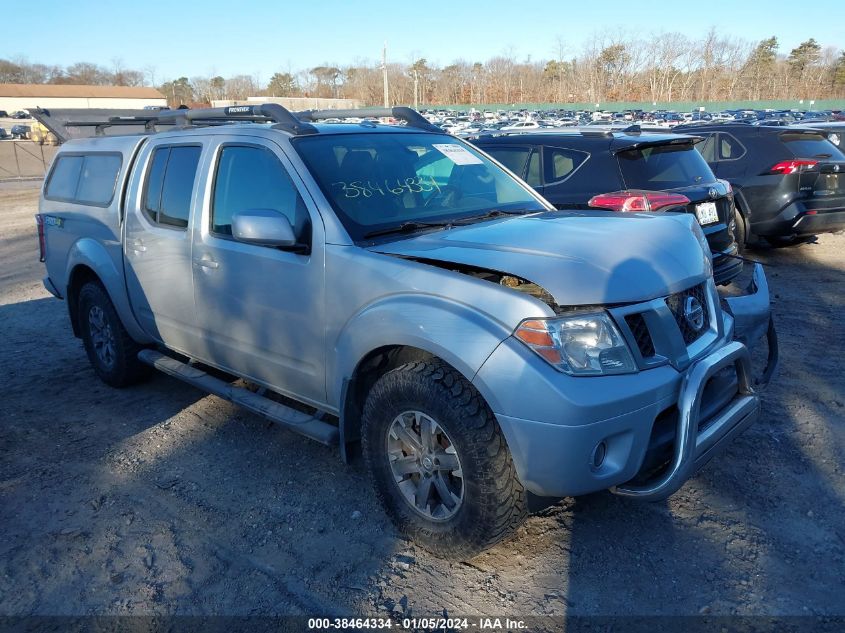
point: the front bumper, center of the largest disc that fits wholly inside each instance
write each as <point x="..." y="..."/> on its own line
<point x="695" y="444"/>
<point x="570" y="436"/>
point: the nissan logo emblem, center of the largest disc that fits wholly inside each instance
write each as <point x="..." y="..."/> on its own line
<point x="694" y="313"/>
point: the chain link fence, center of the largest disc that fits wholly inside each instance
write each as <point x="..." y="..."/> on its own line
<point x="25" y="159"/>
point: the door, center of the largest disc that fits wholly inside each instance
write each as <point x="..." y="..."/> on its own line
<point x="261" y="307"/>
<point x="157" y="243"/>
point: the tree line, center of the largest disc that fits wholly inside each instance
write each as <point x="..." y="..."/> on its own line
<point x="664" y="68"/>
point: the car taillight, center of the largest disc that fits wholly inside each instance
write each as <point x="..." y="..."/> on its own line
<point x="791" y="166"/>
<point x="632" y="201"/>
<point x="42" y="240"/>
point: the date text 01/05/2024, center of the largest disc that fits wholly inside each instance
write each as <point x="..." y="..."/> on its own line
<point x="417" y="624"/>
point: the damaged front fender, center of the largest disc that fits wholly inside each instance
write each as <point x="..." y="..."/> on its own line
<point x="752" y="316"/>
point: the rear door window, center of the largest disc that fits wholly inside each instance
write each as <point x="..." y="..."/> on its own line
<point x="729" y="147"/>
<point x="561" y="162"/>
<point x="170" y="184"/>
<point x="804" y="145"/>
<point x="707" y="148"/>
<point x="514" y="158"/>
<point x="660" y="167"/>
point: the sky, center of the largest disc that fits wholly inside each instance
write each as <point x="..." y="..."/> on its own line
<point x="191" y="38"/>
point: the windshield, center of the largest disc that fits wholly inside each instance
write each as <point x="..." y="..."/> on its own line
<point x="378" y="181"/>
<point x="669" y="166"/>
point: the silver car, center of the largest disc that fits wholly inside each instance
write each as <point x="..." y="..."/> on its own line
<point x="394" y="287"/>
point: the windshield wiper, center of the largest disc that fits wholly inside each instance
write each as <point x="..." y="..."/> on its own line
<point x="495" y="213"/>
<point x="406" y="227"/>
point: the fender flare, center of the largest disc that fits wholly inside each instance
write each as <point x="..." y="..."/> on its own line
<point x="92" y="254"/>
<point x="453" y="331"/>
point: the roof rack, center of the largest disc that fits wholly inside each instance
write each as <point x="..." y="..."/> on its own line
<point x="410" y="116"/>
<point x="296" y="124"/>
<point x="259" y="113"/>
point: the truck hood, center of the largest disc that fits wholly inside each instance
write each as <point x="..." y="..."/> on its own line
<point x="579" y="257"/>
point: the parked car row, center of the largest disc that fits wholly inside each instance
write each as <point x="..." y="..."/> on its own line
<point x="476" y="121"/>
<point x="19" y="114"/>
<point x="15" y="132"/>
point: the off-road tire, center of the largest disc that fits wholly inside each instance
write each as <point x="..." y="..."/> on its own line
<point x="494" y="503"/>
<point x="125" y="369"/>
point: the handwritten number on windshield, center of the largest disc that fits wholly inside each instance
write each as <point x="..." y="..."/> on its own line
<point x="369" y="188"/>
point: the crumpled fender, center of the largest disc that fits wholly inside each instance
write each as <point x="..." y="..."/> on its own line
<point x="753" y="320"/>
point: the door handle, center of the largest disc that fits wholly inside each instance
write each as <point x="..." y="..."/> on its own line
<point x="138" y="246"/>
<point x="207" y="262"/>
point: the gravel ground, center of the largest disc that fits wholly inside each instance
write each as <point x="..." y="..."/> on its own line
<point x="159" y="499"/>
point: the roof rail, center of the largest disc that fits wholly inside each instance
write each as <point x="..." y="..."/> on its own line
<point x="410" y="116"/>
<point x="259" y="113"/>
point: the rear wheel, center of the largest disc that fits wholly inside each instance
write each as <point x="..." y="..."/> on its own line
<point x="111" y="351"/>
<point x="439" y="463"/>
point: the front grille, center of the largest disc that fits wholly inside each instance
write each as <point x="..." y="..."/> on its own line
<point x="638" y="328"/>
<point x="676" y="303"/>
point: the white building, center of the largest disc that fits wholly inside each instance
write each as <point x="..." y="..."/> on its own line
<point x="15" y="97"/>
<point x="294" y="103"/>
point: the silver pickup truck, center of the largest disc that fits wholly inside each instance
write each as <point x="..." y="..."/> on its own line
<point x="391" y="286"/>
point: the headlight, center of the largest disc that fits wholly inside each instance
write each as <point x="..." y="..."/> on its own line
<point x="579" y="345"/>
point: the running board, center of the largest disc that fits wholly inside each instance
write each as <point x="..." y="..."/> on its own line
<point x="292" y="419"/>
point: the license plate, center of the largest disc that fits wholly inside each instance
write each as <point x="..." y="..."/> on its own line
<point x="706" y="213"/>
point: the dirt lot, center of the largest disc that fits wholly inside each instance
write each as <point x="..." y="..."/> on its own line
<point x="161" y="500"/>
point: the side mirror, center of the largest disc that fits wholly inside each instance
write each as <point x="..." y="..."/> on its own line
<point x="266" y="227"/>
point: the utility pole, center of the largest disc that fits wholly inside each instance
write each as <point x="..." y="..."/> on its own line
<point x="416" y="89"/>
<point x="384" y="74"/>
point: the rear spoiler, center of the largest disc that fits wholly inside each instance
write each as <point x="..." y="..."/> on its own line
<point x="682" y="139"/>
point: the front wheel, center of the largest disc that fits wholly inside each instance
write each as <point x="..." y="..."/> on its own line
<point x="438" y="461"/>
<point x="110" y="349"/>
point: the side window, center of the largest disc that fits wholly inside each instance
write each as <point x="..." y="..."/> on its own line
<point x="707" y="148"/>
<point x="533" y="175"/>
<point x="170" y="184"/>
<point x="65" y="178"/>
<point x="729" y="147"/>
<point x="560" y="163"/>
<point x="84" y="179"/>
<point x="514" y="158"/>
<point x="254" y="178"/>
<point x="97" y="179"/>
